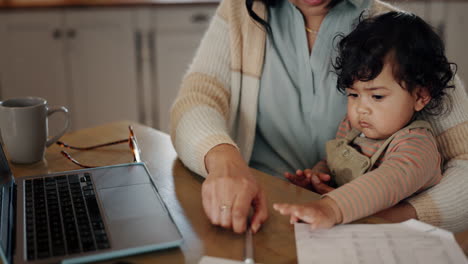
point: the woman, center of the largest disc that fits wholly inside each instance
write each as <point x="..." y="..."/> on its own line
<point x="263" y="91"/>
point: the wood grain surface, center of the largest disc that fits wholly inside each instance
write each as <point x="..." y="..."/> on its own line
<point x="180" y="189"/>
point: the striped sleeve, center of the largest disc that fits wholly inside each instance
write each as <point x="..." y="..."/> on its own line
<point x="199" y="114"/>
<point x="411" y="163"/>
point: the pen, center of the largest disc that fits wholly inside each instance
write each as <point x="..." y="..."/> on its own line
<point x="249" y="250"/>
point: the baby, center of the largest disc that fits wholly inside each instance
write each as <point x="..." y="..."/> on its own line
<point x="392" y="68"/>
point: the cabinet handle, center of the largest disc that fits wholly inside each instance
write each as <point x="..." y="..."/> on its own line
<point x="71" y="33"/>
<point x="199" y="18"/>
<point x="153" y="78"/>
<point x="139" y="73"/>
<point x="57" y="33"/>
<point x="1" y="93"/>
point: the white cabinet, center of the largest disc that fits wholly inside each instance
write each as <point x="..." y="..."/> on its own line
<point x="178" y="32"/>
<point x="417" y="7"/>
<point x="32" y="61"/>
<point x="457" y="37"/>
<point x="82" y="59"/>
<point x="450" y="21"/>
<point x="109" y="64"/>
<point x="102" y="55"/>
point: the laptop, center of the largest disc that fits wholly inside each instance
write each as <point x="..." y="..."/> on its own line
<point x="82" y="215"/>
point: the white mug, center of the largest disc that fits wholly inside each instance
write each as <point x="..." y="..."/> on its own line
<point x="24" y="128"/>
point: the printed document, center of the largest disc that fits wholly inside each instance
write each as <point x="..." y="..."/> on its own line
<point x="408" y="242"/>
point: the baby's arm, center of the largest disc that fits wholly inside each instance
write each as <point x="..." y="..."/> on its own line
<point x="323" y="213"/>
<point x="411" y="163"/>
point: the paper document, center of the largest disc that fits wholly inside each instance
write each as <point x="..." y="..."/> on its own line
<point x="410" y="242"/>
<point x="214" y="260"/>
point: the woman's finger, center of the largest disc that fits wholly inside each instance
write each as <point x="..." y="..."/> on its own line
<point x="225" y="213"/>
<point x="260" y="211"/>
<point x="215" y="205"/>
<point x="240" y="209"/>
<point x="208" y="202"/>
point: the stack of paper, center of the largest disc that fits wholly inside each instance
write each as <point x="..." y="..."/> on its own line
<point x="411" y="242"/>
<point x="214" y="260"/>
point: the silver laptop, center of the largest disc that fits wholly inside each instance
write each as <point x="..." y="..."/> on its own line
<point x="82" y="215"/>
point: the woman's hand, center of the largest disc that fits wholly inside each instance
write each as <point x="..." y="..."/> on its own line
<point x="312" y="180"/>
<point x="230" y="190"/>
<point x="323" y="213"/>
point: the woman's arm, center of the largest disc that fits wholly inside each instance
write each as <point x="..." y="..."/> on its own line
<point x="398" y="213"/>
<point x="445" y="204"/>
<point x="199" y="131"/>
<point x="200" y="112"/>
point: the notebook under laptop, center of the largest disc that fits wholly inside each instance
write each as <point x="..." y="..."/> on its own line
<point x="82" y="215"/>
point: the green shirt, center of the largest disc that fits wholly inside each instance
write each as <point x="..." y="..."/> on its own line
<point x="299" y="106"/>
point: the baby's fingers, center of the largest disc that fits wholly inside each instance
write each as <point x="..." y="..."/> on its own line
<point x="323" y="176"/>
<point x="299" y="173"/>
<point x="293" y="219"/>
<point x="308" y="172"/>
<point x="305" y="214"/>
<point x="284" y="208"/>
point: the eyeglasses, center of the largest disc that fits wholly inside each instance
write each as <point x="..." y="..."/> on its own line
<point x="132" y="142"/>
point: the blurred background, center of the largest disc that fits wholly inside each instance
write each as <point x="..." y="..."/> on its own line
<point x="109" y="60"/>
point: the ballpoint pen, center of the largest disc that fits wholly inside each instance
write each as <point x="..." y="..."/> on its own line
<point x="249" y="250"/>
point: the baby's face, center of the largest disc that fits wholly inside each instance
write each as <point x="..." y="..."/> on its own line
<point x="380" y="107"/>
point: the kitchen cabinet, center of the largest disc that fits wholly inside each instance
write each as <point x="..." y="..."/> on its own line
<point x="419" y="8"/>
<point x="102" y="57"/>
<point x="31" y="58"/>
<point x="109" y="64"/>
<point x="83" y="59"/>
<point x="177" y="34"/>
<point x="457" y="38"/>
<point x="449" y="20"/>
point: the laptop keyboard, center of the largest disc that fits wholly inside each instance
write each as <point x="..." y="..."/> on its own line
<point x="62" y="217"/>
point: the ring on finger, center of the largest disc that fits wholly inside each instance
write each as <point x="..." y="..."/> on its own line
<point x="224" y="208"/>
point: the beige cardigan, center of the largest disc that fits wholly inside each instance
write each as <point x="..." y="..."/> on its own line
<point x="217" y="104"/>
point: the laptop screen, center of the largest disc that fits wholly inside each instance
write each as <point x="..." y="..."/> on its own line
<point x="7" y="209"/>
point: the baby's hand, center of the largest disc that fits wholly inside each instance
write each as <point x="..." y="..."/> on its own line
<point x="323" y="213"/>
<point x="301" y="178"/>
<point x="312" y="180"/>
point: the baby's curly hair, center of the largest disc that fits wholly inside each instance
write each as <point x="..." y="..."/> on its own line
<point x="416" y="52"/>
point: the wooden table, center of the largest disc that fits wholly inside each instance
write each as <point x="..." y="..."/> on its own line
<point x="180" y="189"/>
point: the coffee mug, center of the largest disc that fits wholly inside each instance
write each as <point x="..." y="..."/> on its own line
<point x="24" y="128"/>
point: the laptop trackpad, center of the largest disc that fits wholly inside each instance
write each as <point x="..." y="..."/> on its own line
<point x="136" y="217"/>
<point x="134" y="201"/>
